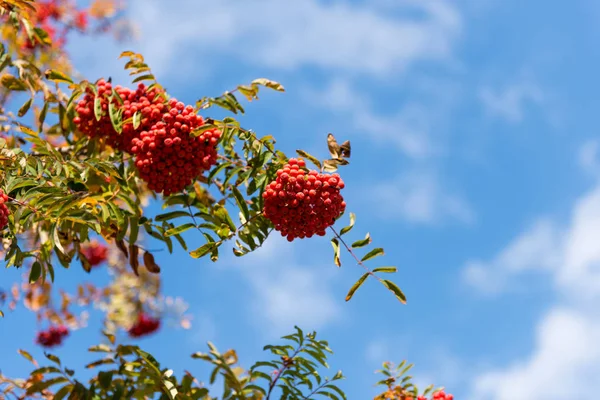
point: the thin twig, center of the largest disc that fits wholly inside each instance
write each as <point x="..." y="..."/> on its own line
<point x="337" y="235"/>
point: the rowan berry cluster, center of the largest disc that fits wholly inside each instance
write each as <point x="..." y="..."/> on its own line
<point x="167" y="156"/>
<point x="149" y="103"/>
<point x="95" y="252"/>
<point x="3" y="210"/>
<point x="53" y="336"/>
<point x="144" y="325"/>
<point x="441" y="395"/>
<point x="301" y="204"/>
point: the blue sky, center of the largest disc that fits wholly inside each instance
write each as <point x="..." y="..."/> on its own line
<point x="475" y="165"/>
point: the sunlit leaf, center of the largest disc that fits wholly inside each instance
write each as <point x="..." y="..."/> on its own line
<point x="373" y="253"/>
<point x="356" y="285"/>
<point x="395" y="289"/>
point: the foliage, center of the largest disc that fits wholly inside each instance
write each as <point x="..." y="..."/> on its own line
<point x="74" y="195"/>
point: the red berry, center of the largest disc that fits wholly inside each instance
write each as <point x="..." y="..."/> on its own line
<point x="96" y="253"/>
<point x="53" y="336"/>
<point x="144" y="325"/>
<point x="4" y="212"/>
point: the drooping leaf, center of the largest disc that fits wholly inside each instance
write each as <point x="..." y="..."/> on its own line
<point x="27" y="356"/>
<point x="36" y="272"/>
<point x="356" y="285"/>
<point x="150" y="264"/>
<point x="395" y="289"/>
<point x="336" y="252"/>
<point x="347" y="229"/>
<point x="25" y="107"/>
<point x="362" y="242"/>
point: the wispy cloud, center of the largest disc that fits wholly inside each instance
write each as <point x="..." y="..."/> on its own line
<point x="564" y="364"/>
<point x="419" y="197"/>
<point x="588" y="157"/>
<point x="511" y="101"/>
<point x="288" y="35"/>
<point x="565" y="359"/>
<point x="408" y="129"/>
<point x="286" y="293"/>
<point x="538" y="248"/>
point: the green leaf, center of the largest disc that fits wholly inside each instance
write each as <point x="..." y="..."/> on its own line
<point x="147" y="77"/>
<point x="35" y="273"/>
<point x="171" y="389"/>
<point x="42" y="116"/>
<point x="389" y="270"/>
<point x="373" y="253"/>
<point x="222" y="214"/>
<point x="40" y="386"/>
<point x="97" y="108"/>
<point x="362" y="242"/>
<point x="241" y="202"/>
<point x="27" y="356"/>
<point x="57" y="76"/>
<point x="52" y="358"/>
<point x="65" y="390"/>
<point x="395" y="289"/>
<point x="203" y="250"/>
<point x="171" y="215"/>
<point x="336" y="252"/>
<point x="347" y="229"/>
<point x="25" y="107"/>
<point x="312" y="159"/>
<point x="356" y="285"/>
<point x="105" y="378"/>
<point x="180" y="229"/>
<point x="137" y="119"/>
<point x="12" y="83"/>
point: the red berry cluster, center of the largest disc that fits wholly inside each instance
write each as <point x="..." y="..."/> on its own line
<point x="167" y="156"/>
<point x="144" y="325"/>
<point x="148" y="103"/>
<point x="53" y="336"/>
<point x="96" y="253"/>
<point x="302" y="204"/>
<point x="3" y="210"/>
<point x="441" y="395"/>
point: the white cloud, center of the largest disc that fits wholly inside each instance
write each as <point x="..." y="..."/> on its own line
<point x="536" y="248"/>
<point x="509" y="102"/>
<point x="565" y="360"/>
<point x="570" y="254"/>
<point x="287" y="294"/>
<point x="204" y="329"/>
<point x="408" y="129"/>
<point x="588" y="157"/>
<point x="565" y="363"/>
<point x="419" y="197"/>
<point x="289" y="35"/>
